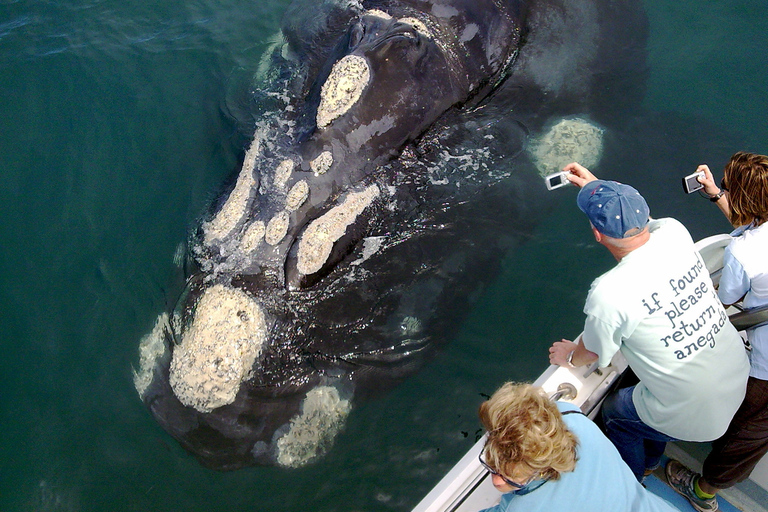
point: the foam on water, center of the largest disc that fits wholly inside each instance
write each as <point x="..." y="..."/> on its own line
<point x="569" y="140"/>
<point x="151" y="349"/>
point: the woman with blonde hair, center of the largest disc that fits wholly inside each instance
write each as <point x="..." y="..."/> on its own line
<point x="546" y="456"/>
<point x="743" y="198"/>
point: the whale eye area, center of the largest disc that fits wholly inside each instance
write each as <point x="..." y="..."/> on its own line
<point x="356" y="34"/>
<point x="370" y="32"/>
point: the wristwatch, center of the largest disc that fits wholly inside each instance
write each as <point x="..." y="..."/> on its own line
<point x="569" y="359"/>
<point x="715" y="198"/>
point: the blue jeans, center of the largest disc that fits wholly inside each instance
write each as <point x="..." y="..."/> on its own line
<point x="638" y="444"/>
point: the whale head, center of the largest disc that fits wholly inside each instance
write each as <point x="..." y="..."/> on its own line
<point x="241" y="369"/>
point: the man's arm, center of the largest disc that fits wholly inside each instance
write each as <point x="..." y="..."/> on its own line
<point x="560" y="350"/>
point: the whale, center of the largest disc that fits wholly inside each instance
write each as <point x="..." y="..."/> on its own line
<point x="396" y="157"/>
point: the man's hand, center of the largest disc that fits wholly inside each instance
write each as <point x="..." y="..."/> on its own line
<point x="578" y="174"/>
<point x="560" y="350"/>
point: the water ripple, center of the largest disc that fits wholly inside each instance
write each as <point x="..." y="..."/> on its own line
<point x="110" y="27"/>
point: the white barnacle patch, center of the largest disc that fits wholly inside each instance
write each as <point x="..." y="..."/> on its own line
<point x="218" y="349"/>
<point x="249" y="161"/>
<point x="342" y="89"/>
<point x="252" y="237"/>
<point x="297" y="195"/>
<point x="235" y="207"/>
<point x="418" y="25"/>
<point x="377" y="13"/>
<point x="570" y="140"/>
<point x="317" y="241"/>
<point x="322" y="163"/>
<point x="151" y="348"/>
<point x="312" y="431"/>
<point x="283" y="172"/>
<point x="277" y="228"/>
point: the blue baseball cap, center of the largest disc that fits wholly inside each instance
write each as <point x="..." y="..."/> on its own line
<point x="616" y="210"/>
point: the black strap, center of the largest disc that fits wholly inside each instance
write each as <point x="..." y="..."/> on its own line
<point x="571" y="411"/>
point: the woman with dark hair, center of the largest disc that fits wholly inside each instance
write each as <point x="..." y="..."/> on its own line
<point x="743" y="198"/>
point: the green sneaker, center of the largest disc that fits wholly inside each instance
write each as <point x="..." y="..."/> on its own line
<point x="681" y="479"/>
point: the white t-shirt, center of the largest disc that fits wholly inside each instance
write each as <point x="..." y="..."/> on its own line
<point x="659" y="307"/>
<point x="745" y="274"/>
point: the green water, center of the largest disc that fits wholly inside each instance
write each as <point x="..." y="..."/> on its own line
<point x="119" y="121"/>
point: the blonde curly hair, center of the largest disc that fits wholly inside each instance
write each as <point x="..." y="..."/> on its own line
<point x="526" y="432"/>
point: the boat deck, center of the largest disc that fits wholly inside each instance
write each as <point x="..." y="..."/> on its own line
<point x="656" y="484"/>
<point x="747" y="496"/>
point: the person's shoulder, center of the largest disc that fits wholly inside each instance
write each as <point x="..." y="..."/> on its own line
<point x="755" y="234"/>
<point x="603" y="286"/>
<point x="749" y="241"/>
<point x="666" y="224"/>
<point x="566" y="406"/>
<point x="669" y="231"/>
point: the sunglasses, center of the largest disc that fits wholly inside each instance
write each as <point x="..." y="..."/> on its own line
<point x="506" y="480"/>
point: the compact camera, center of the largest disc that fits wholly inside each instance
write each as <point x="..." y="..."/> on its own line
<point x="557" y="180"/>
<point x="691" y="184"/>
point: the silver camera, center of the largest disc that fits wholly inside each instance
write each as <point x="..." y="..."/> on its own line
<point x="691" y="182"/>
<point x="557" y="180"/>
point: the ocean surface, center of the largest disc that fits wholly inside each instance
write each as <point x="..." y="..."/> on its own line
<point x="119" y="123"/>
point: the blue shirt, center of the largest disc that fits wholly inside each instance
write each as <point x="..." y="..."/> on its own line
<point x="600" y="480"/>
<point x="745" y="274"/>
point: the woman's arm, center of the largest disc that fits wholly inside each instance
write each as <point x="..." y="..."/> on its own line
<point x="716" y="195"/>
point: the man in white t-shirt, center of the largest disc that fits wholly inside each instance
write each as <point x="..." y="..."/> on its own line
<point x="660" y="308"/>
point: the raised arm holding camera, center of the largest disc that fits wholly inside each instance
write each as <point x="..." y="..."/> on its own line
<point x="743" y="197"/>
<point x="659" y="307"/>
